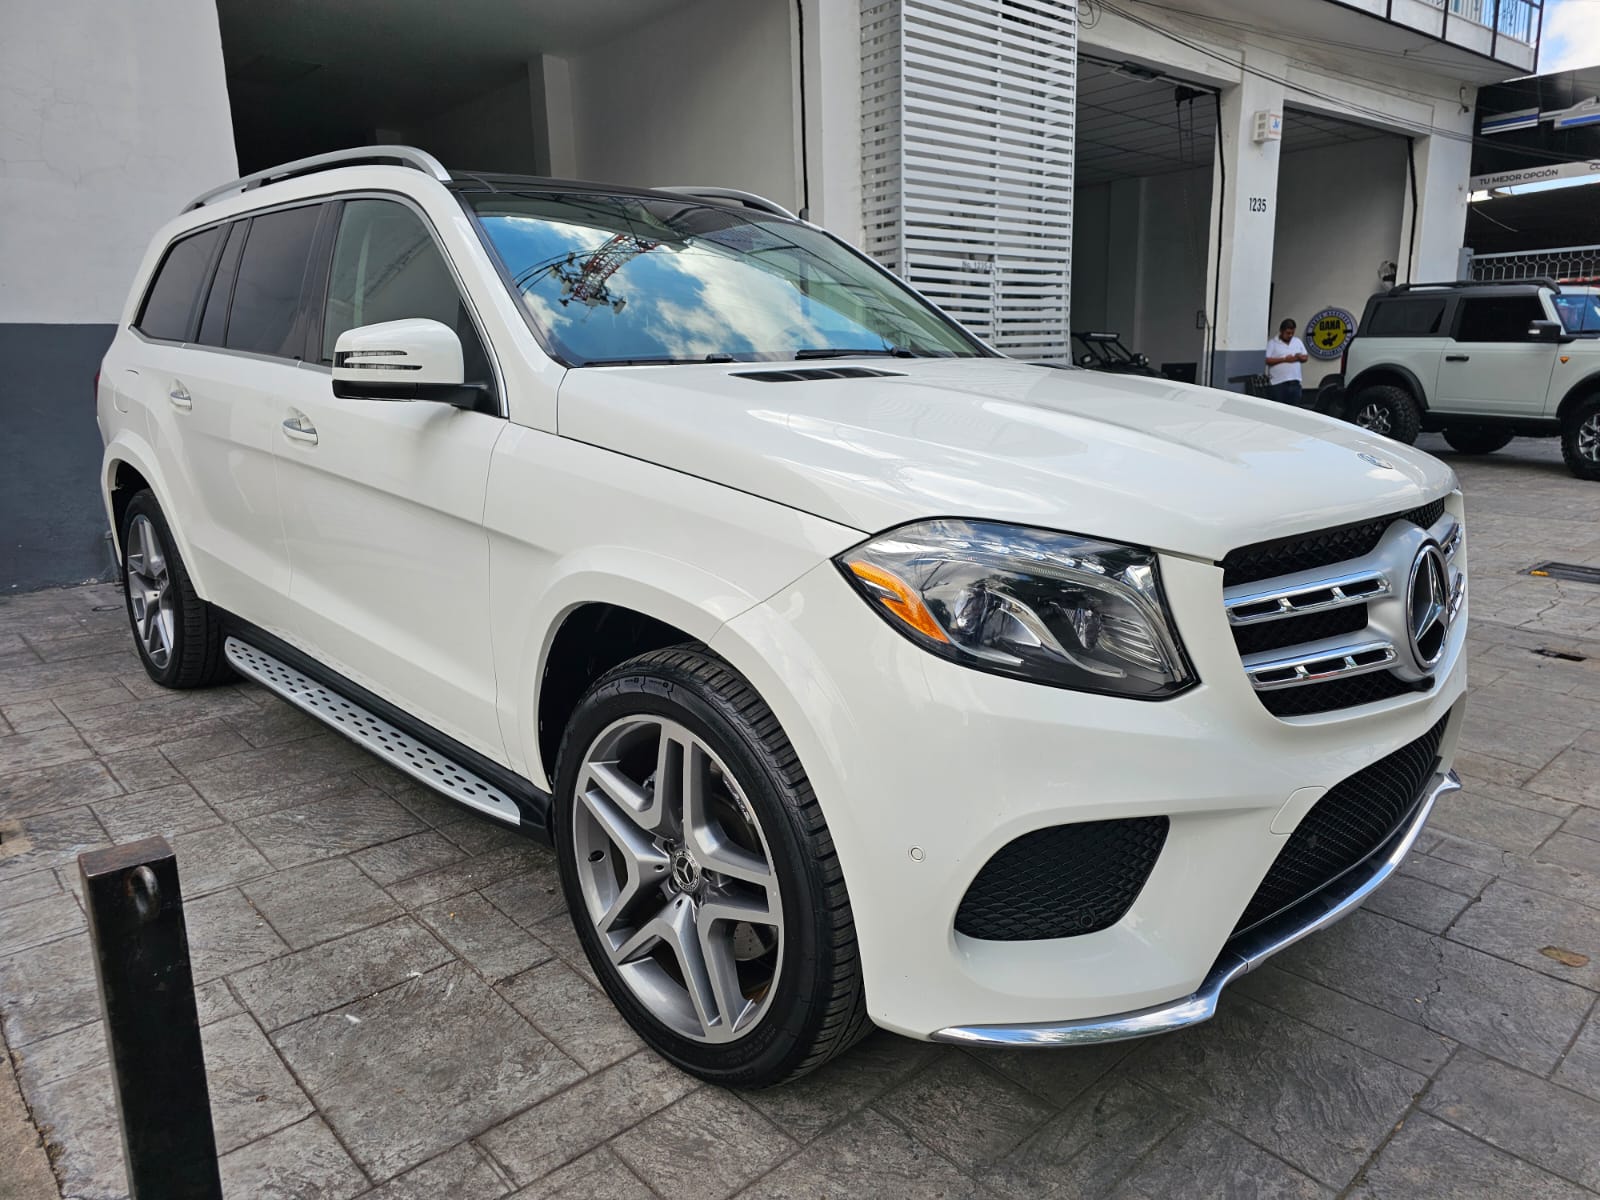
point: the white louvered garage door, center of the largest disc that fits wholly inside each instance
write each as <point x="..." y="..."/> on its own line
<point x="967" y="138"/>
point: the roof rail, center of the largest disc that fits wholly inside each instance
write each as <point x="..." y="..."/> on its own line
<point x="748" y="199"/>
<point x="407" y="156"/>
<point x="1540" y="281"/>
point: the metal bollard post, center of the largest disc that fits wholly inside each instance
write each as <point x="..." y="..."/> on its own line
<point x="141" y="957"/>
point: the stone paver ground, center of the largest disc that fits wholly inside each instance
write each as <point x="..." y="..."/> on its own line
<point x="393" y="1004"/>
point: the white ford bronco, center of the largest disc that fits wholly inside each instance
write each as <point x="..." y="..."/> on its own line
<point x="856" y="673"/>
<point x="1481" y="363"/>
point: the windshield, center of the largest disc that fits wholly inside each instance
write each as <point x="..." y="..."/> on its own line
<point x="1579" y="311"/>
<point x="625" y="279"/>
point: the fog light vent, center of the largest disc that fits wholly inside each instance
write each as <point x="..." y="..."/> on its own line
<point x="1064" y="881"/>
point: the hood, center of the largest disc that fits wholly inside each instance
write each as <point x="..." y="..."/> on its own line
<point x="1172" y="466"/>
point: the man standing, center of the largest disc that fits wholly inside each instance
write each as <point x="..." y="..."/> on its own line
<point x="1284" y="356"/>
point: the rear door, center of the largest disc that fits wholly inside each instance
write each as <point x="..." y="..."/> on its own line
<point x="1491" y="367"/>
<point x="215" y="428"/>
<point x="383" y="500"/>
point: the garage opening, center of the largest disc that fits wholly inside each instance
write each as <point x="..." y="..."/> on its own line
<point x="1142" y="217"/>
<point x="1342" y="196"/>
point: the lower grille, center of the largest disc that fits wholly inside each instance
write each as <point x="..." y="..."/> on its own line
<point x="1063" y="881"/>
<point x="1346" y="826"/>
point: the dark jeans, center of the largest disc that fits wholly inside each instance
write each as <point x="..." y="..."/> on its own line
<point x="1287" y="393"/>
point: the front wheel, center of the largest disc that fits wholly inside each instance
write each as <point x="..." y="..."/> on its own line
<point x="1477" y="441"/>
<point x="1388" y="410"/>
<point x="700" y="874"/>
<point x="1580" y="438"/>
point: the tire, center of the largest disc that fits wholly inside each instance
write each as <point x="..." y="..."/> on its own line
<point x="794" y="998"/>
<point x="1388" y="410"/>
<point x="179" y="635"/>
<point x="1477" y="441"/>
<point x="1580" y="438"/>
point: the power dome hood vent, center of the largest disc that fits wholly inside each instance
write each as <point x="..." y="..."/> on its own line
<point x="803" y="374"/>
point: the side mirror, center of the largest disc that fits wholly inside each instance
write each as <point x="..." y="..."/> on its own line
<point x="414" y="359"/>
<point x="1548" y="331"/>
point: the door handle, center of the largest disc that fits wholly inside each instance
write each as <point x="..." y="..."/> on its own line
<point x="179" y="395"/>
<point x="298" y="427"/>
<point x="1458" y="358"/>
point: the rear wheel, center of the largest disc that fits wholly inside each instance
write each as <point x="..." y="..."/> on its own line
<point x="1477" y="441"/>
<point x="1388" y="410"/>
<point x="701" y="876"/>
<point x="178" y="634"/>
<point x="1580" y="438"/>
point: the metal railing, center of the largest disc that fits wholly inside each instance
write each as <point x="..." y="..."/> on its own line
<point x="1518" y="20"/>
<point x="1566" y="263"/>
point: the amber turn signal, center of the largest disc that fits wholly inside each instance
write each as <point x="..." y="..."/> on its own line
<point x="898" y="599"/>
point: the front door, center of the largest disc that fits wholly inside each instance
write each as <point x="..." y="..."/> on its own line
<point x="383" y="500"/>
<point x="1491" y="367"/>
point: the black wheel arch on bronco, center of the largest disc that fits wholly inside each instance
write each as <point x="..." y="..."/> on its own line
<point x="1577" y="393"/>
<point x="1389" y="375"/>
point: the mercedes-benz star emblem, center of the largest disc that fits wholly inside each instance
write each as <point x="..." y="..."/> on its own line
<point x="1376" y="461"/>
<point x="1428" y="606"/>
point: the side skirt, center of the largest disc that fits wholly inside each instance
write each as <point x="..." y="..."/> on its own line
<point x="405" y="743"/>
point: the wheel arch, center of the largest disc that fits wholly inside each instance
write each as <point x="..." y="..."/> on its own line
<point x="125" y="468"/>
<point x="1588" y="386"/>
<point x="1392" y="375"/>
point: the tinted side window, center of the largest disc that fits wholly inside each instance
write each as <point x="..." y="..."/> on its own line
<point x="214" y="321"/>
<point x="1419" y="317"/>
<point x="168" y="309"/>
<point x="1498" y="318"/>
<point x="265" y="314"/>
<point x="386" y="267"/>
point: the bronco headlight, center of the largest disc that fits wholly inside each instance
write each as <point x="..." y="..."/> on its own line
<point x="1048" y="607"/>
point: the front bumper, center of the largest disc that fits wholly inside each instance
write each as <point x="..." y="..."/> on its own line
<point x="1240" y="955"/>
<point x="925" y="770"/>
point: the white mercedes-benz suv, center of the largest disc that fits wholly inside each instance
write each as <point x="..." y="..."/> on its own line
<point x="855" y="672"/>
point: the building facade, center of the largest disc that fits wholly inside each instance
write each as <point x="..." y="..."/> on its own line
<point x="1035" y="166"/>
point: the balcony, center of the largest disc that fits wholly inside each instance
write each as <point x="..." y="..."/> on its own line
<point x="1474" y="41"/>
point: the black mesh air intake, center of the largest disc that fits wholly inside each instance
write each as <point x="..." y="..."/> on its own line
<point x="1346" y="826"/>
<point x="1284" y="556"/>
<point x="1335" y="694"/>
<point x="1062" y="881"/>
<point x="1296" y="631"/>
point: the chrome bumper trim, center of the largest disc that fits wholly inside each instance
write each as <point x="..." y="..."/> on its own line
<point x="1244" y="954"/>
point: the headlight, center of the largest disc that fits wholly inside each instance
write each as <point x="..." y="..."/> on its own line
<point x="1043" y="606"/>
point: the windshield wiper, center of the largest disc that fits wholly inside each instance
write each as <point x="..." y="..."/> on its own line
<point x="846" y="352"/>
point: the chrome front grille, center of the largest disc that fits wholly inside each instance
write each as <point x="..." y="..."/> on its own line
<point x="1337" y="633"/>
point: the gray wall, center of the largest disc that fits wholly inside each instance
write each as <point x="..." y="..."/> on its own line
<point x="114" y="115"/>
<point x="52" y="525"/>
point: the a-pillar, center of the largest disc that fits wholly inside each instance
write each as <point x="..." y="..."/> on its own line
<point x="1239" y="275"/>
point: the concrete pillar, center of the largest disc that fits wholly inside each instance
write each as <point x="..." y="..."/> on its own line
<point x="1239" y="272"/>
<point x="550" y="88"/>
<point x="1435" y="223"/>
<point x="829" y="69"/>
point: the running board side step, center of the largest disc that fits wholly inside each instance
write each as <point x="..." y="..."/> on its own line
<point x="396" y="747"/>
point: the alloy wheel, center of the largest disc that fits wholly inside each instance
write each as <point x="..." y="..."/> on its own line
<point x="1374" y="417"/>
<point x="1589" y="439"/>
<point x="150" y="596"/>
<point x="677" y="878"/>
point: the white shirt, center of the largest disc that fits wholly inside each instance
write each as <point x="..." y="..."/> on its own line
<point x="1289" y="371"/>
